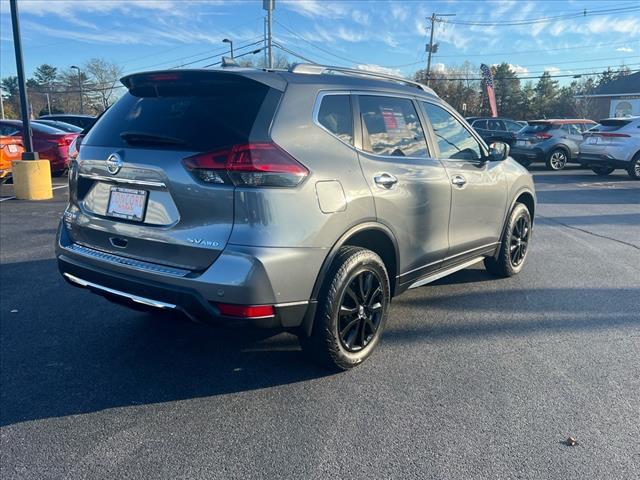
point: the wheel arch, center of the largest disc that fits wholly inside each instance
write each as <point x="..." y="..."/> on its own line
<point x="528" y="199"/>
<point x="564" y="148"/>
<point x="373" y="236"/>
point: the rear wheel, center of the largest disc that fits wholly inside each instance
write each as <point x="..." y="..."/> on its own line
<point x="515" y="244"/>
<point x="352" y="310"/>
<point x="602" y="171"/>
<point x="557" y="159"/>
<point x="634" y="168"/>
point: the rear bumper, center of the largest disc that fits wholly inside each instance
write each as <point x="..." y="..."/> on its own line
<point x="527" y="154"/>
<point x="240" y="275"/>
<point x="601" y="160"/>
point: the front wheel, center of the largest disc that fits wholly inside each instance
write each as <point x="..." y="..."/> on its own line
<point x="602" y="171"/>
<point x="557" y="159"/>
<point x="352" y="310"/>
<point x="514" y="246"/>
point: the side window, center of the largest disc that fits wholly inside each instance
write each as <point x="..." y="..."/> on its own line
<point x="335" y="115"/>
<point x="390" y="126"/>
<point x="495" y="125"/>
<point x="512" y="126"/>
<point x="480" y="124"/>
<point x="455" y="141"/>
<point x="8" y="130"/>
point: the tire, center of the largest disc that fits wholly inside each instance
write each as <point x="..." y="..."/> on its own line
<point x="634" y="168"/>
<point x="352" y="310"/>
<point x="602" y="171"/>
<point x="557" y="159"/>
<point x="513" y="253"/>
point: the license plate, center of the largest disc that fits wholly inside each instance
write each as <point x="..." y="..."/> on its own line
<point x="127" y="203"/>
<point x="522" y="143"/>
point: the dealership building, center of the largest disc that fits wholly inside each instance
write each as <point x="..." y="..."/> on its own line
<point x="619" y="98"/>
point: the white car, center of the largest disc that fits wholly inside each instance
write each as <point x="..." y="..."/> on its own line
<point x="613" y="143"/>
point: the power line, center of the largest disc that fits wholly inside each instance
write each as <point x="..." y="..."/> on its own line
<point x="217" y="54"/>
<point x="531" y="21"/>
<point x="586" y="74"/>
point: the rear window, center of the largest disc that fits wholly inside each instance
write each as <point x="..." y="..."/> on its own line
<point x="536" y="127"/>
<point x="201" y="116"/>
<point x="610" y="125"/>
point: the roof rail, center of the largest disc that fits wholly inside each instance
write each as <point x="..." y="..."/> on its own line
<point x="315" y="69"/>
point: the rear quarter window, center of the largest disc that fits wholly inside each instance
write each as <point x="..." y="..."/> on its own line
<point x="336" y="116"/>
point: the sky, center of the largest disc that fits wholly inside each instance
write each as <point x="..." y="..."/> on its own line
<point x="384" y="35"/>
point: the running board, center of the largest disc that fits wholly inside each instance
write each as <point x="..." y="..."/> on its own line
<point x="444" y="273"/>
<point x="135" y="298"/>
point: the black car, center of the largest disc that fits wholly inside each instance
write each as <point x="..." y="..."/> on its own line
<point x="83" y="121"/>
<point x="495" y="129"/>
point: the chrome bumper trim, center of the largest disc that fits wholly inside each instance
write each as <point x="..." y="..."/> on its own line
<point x="128" y="181"/>
<point x="141" y="300"/>
<point x="127" y="262"/>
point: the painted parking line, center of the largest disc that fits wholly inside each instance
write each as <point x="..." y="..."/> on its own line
<point x="54" y="188"/>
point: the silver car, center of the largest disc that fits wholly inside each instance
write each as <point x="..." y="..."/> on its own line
<point x="614" y="143"/>
<point x="301" y="200"/>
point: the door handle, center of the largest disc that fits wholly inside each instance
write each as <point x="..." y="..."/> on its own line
<point x="458" y="180"/>
<point x="385" y="180"/>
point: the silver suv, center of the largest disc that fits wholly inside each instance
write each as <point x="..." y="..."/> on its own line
<point x="302" y="200"/>
<point x="613" y="143"/>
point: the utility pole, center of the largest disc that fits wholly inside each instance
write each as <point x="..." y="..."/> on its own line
<point x="269" y="6"/>
<point x="264" y="49"/>
<point x="431" y="48"/>
<point x="73" y="67"/>
<point x="48" y="103"/>
<point x="1" y="105"/>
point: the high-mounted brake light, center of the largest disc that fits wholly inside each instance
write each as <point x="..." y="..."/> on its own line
<point x="248" y="165"/>
<point x="163" y="77"/>
<point x="246" y="311"/>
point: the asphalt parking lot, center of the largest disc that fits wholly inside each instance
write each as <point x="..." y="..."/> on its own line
<point x="476" y="377"/>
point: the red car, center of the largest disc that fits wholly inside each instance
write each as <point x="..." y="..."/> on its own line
<point x="51" y="143"/>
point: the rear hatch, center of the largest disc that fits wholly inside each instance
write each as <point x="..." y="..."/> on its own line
<point x="534" y="133"/>
<point x="609" y="132"/>
<point x="130" y="182"/>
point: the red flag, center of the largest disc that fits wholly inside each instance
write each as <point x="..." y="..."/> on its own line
<point x="488" y="80"/>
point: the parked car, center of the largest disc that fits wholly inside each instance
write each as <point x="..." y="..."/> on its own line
<point x="65" y="127"/>
<point x="614" y="143"/>
<point x="554" y="142"/>
<point x="10" y="149"/>
<point x="82" y="121"/>
<point x="298" y="205"/>
<point x="495" y="129"/>
<point x="50" y="143"/>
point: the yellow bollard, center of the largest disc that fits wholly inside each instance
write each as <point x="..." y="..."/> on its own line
<point x="32" y="179"/>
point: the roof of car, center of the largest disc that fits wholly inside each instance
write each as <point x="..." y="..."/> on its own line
<point x="331" y="77"/>
<point x="57" y="115"/>
<point x="562" y="121"/>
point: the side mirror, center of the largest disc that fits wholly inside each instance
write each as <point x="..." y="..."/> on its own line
<point x="498" y="151"/>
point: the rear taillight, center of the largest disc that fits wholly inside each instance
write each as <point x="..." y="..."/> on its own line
<point x="65" y="141"/>
<point x="612" y="135"/>
<point x="246" y="311"/>
<point x="248" y="165"/>
<point x="543" y="136"/>
<point x="74" y="147"/>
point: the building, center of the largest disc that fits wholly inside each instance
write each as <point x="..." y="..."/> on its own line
<point x="619" y="98"/>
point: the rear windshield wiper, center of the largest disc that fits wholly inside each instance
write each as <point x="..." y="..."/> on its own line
<point x="138" y="138"/>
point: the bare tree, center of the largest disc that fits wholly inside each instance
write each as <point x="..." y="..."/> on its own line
<point x="104" y="77"/>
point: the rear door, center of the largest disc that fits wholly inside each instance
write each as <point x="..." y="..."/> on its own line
<point x="131" y="190"/>
<point x="572" y="136"/>
<point x="479" y="188"/>
<point x="410" y="187"/>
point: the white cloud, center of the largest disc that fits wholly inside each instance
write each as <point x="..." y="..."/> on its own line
<point x="400" y="12"/>
<point x="517" y="69"/>
<point x="439" y="68"/>
<point x="363" y="18"/>
<point x="370" y="67"/>
<point x="624" y="49"/>
<point x="317" y="8"/>
<point x="552" y="70"/>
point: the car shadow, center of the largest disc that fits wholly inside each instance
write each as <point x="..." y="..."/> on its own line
<point x="66" y="351"/>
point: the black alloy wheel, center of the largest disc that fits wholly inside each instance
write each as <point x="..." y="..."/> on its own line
<point x="519" y="241"/>
<point x="360" y="312"/>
